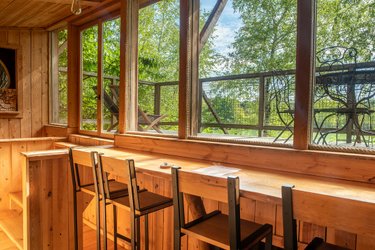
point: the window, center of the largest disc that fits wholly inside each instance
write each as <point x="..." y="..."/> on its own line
<point x="158" y="68"/>
<point x="100" y="77"/>
<point x="59" y="77"/>
<point x="246" y="68"/>
<point x="111" y="75"/>
<point x="344" y="96"/>
<point x="89" y="78"/>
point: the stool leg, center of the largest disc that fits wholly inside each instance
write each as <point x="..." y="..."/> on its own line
<point x="268" y="242"/>
<point x="97" y="223"/>
<point x="138" y="227"/>
<point x="104" y="224"/>
<point x="75" y="220"/>
<point x="146" y="232"/>
<point x="114" y="227"/>
<point x="132" y="230"/>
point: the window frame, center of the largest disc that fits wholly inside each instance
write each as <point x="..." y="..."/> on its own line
<point x="99" y="22"/>
<point x="53" y="35"/>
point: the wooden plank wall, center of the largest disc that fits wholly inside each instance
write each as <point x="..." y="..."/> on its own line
<point x="33" y="80"/>
<point x="10" y="164"/>
<point x="49" y="213"/>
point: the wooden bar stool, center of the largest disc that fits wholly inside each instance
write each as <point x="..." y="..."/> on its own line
<point x="215" y="228"/>
<point x="317" y="209"/>
<point x="140" y="202"/>
<point x="76" y="159"/>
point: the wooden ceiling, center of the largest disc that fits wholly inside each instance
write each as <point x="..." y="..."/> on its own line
<point x="38" y="13"/>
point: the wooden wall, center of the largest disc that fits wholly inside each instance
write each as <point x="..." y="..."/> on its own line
<point x="48" y="208"/>
<point x="10" y="164"/>
<point x="32" y="80"/>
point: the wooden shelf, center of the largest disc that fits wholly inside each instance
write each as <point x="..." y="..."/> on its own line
<point x="16" y="197"/>
<point x="11" y="224"/>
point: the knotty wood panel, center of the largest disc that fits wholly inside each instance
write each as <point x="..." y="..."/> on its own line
<point x="47" y="210"/>
<point x="32" y="81"/>
<point x="36" y="13"/>
<point x="10" y="164"/>
<point x="346" y="166"/>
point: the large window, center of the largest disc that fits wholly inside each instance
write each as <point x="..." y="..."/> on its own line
<point x="100" y="77"/>
<point x="59" y="77"/>
<point x="246" y="66"/>
<point x="89" y="78"/>
<point x="344" y="97"/>
<point x="158" y="64"/>
<point x="111" y="75"/>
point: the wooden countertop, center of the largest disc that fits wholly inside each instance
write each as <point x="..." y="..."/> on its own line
<point x="255" y="183"/>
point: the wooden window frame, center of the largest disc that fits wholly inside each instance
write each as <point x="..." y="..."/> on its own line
<point x="97" y="22"/>
<point x="54" y="60"/>
<point x="188" y="68"/>
<point x="188" y="75"/>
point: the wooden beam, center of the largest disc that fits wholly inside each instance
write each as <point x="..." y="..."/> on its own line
<point x="130" y="94"/>
<point x="73" y="77"/>
<point x="304" y="72"/>
<point x="209" y="26"/>
<point x="83" y="2"/>
<point x="193" y="69"/>
<point x="123" y="53"/>
<point x="184" y="77"/>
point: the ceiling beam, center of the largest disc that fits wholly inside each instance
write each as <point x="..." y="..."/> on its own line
<point x="83" y="2"/>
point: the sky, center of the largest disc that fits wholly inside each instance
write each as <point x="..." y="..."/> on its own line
<point x="226" y="27"/>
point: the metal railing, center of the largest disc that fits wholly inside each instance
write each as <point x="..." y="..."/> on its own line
<point x="258" y="81"/>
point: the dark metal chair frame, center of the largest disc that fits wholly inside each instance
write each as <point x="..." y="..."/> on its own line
<point x="265" y="231"/>
<point x="133" y="203"/>
<point x="86" y="188"/>
<point x="282" y="88"/>
<point x="340" y="87"/>
<point x="290" y="225"/>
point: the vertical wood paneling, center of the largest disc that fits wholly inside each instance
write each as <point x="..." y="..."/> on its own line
<point x="25" y="83"/>
<point x="10" y="165"/>
<point x="36" y="82"/>
<point x="32" y="81"/>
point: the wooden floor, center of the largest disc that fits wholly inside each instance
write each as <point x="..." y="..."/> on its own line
<point x="89" y="240"/>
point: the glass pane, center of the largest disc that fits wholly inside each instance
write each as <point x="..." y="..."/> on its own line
<point x="59" y="76"/>
<point x="89" y="66"/>
<point x="344" y="97"/>
<point x="158" y="64"/>
<point x="111" y="78"/>
<point x="246" y="70"/>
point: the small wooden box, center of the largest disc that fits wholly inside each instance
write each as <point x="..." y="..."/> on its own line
<point x="8" y="100"/>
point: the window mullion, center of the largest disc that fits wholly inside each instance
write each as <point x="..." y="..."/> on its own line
<point x="304" y="72"/>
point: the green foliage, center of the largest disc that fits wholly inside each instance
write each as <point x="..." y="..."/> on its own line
<point x="265" y="41"/>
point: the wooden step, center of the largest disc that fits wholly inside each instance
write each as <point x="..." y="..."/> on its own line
<point x="16" y="197"/>
<point x="11" y="224"/>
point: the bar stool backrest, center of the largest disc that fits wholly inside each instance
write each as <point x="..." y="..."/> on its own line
<point x="110" y="165"/>
<point x="336" y="212"/>
<point x="223" y="189"/>
<point x="77" y="158"/>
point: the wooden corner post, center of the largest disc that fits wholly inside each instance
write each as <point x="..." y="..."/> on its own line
<point x="304" y="72"/>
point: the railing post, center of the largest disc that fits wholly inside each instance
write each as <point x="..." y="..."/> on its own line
<point x="261" y="106"/>
<point x="157" y="89"/>
<point x="199" y="104"/>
